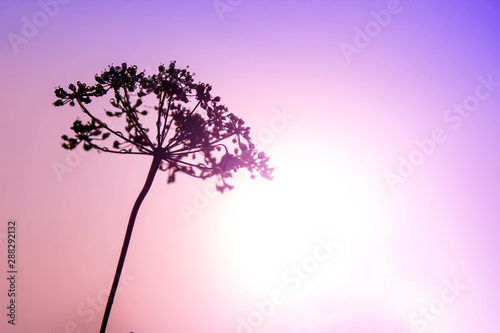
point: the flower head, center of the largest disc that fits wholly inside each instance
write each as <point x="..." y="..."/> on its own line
<point x="194" y="133"/>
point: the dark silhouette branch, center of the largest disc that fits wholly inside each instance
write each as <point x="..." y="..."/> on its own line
<point x="122" y="152"/>
<point x="166" y="124"/>
<point x="182" y="126"/>
<point x="118" y="134"/>
<point x="132" y="115"/>
<point x="159" y="137"/>
<point x="155" y="164"/>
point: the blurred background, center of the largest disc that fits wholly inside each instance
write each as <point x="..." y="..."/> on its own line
<point x="379" y="118"/>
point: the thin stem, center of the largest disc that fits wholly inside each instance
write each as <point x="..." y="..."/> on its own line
<point x="132" y="115"/>
<point x="199" y="166"/>
<point x="201" y="147"/>
<point x="182" y="125"/>
<point x="165" y="129"/>
<point x="107" y="150"/>
<point x="84" y="109"/>
<point x="158" y="122"/>
<point x="147" y="185"/>
<point x="188" y="152"/>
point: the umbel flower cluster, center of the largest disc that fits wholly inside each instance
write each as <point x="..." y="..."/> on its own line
<point x="194" y="134"/>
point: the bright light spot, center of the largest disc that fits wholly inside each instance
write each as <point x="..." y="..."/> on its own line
<point x="273" y="225"/>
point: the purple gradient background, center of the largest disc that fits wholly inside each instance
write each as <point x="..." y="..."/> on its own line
<point x="352" y="121"/>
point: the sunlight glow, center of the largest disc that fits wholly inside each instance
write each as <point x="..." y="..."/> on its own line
<point x="273" y="225"/>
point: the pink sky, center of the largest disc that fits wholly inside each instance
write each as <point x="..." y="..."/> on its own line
<point x="342" y="114"/>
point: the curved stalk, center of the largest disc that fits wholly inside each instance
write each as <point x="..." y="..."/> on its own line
<point x="128" y="235"/>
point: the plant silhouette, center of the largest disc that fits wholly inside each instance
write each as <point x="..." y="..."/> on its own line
<point x="194" y="133"/>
